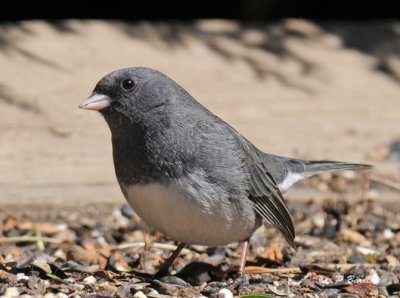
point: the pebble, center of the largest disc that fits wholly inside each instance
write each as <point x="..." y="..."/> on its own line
<point x="127" y="211"/>
<point x="80" y="255"/>
<point x="49" y="295"/>
<point x="367" y="251"/>
<point x="59" y="253"/>
<point x="151" y="292"/>
<point x="105" y="285"/>
<point x="319" y="220"/>
<point x="357" y="259"/>
<point x="70" y="280"/>
<point x="388" y="234"/>
<point x="90" y="280"/>
<point x="61" y="295"/>
<point x="140" y="286"/>
<point x="121" y="220"/>
<point x="374" y="277"/>
<point x="330" y="292"/>
<point x="22" y="276"/>
<point x="139" y="294"/>
<point x="225" y="293"/>
<point x="174" y="280"/>
<point x="11" y="292"/>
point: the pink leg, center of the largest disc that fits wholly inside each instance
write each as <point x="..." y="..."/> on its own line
<point x="243" y="257"/>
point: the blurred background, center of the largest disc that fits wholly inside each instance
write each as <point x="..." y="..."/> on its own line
<point x="293" y="84"/>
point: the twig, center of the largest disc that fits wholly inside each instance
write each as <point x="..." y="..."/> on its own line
<point x="164" y="246"/>
<point x="40" y="242"/>
<point x="389" y="183"/>
<point x="19" y="239"/>
<point x="365" y="185"/>
<point x="329" y="253"/>
<point x="262" y="270"/>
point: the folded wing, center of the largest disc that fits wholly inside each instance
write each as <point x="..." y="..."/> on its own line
<point x="265" y="194"/>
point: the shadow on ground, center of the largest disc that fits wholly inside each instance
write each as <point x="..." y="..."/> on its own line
<point x="261" y="44"/>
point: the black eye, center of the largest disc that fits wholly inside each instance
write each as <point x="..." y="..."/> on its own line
<point x="128" y="84"/>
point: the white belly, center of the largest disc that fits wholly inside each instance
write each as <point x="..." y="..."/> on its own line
<point x="175" y="213"/>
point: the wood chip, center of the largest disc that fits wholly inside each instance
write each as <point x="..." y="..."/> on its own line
<point x="355" y="237"/>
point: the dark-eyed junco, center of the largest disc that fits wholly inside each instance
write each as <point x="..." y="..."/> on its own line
<point x="185" y="171"/>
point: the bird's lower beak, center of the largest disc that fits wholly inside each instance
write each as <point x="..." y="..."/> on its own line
<point x="96" y="102"/>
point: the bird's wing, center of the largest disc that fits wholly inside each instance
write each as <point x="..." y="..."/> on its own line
<point x="267" y="198"/>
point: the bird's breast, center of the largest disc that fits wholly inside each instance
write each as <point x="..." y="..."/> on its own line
<point x="182" y="216"/>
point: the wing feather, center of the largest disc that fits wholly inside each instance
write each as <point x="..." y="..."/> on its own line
<point x="265" y="194"/>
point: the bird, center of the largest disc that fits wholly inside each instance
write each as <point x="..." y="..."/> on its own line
<point x="189" y="174"/>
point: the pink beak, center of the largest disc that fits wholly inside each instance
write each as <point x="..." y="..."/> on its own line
<point x="96" y="102"/>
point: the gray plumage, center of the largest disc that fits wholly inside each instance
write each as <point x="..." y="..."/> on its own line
<point x="187" y="172"/>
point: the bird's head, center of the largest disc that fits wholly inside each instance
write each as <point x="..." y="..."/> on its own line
<point x="139" y="94"/>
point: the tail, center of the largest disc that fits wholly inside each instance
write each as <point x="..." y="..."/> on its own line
<point x="287" y="171"/>
<point x="311" y="168"/>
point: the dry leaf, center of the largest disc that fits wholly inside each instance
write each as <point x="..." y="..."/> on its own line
<point x="7" y="277"/>
<point x="10" y="223"/>
<point x="363" y="290"/>
<point x="392" y="261"/>
<point x="91" y="249"/>
<point x="274" y="253"/>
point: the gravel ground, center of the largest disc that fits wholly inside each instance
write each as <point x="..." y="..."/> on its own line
<point x="343" y="250"/>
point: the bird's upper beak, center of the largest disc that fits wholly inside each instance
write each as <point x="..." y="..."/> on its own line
<point x="96" y="102"/>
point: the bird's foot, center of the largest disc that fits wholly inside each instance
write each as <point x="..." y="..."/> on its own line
<point x="238" y="283"/>
<point x="160" y="273"/>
